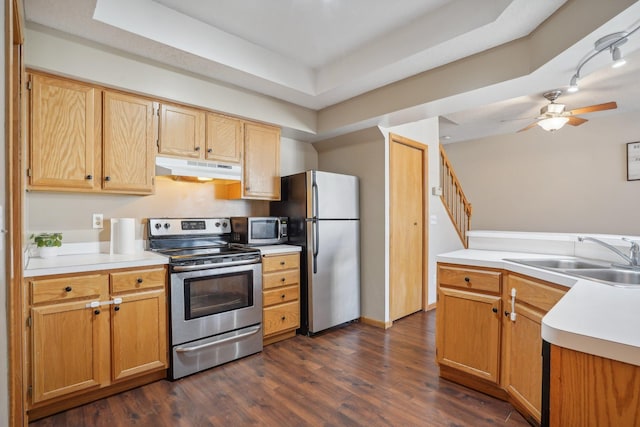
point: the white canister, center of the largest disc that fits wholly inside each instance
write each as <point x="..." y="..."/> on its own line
<point x="123" y="235"/>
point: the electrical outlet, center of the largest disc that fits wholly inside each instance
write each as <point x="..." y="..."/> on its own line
<point x="98" y="221"/>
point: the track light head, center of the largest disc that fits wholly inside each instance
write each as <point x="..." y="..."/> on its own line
<point x="618" y="59"/>
<point x="573" y="85"/>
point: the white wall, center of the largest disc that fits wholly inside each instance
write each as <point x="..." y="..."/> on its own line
<point x="442" y="236"/>
<point x="571" y="180"/>
<point x="362" y="154"/>
<point x="296" y="156"/>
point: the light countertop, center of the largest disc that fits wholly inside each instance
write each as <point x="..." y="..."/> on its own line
<point x="592" y="317"/>
<point x="277" y="249"/>
<point x="64" y="264"/>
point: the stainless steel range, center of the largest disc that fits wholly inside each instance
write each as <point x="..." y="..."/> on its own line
<point x="215" y="293"/>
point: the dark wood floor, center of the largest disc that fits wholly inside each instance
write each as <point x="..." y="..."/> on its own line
<point x="357" y="375"/>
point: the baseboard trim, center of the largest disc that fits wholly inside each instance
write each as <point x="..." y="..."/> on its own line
<point x="377" y="323"/>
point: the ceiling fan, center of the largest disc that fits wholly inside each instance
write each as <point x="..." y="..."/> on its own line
<point x="553" y="116"/>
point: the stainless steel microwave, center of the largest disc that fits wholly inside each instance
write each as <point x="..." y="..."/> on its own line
<point x="255" y="231"/>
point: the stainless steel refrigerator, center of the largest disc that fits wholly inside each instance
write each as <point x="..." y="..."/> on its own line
<point x="324" y="218"/>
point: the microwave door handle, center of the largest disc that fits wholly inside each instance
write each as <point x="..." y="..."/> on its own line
<point x="279" y="228"/>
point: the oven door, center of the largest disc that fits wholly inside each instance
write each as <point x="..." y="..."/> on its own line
<point x="213" y="301"/>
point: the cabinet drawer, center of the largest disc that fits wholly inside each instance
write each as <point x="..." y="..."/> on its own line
<point x="281" y="317"/>
<point x="277" y="296"/>
<point x="469" y="278"/>
<point x="137" y="280"/>
<point x="534" y="293"/>
<point x="273" y="280"/>
<point x="280" y="262"/>
<point x="69" y="288"/>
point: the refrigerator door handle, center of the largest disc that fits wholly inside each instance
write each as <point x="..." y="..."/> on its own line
<point x="314" y="195"/>
<point x="316" y="244"/>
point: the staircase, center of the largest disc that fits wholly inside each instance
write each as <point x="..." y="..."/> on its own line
<point x="453" y="198"/>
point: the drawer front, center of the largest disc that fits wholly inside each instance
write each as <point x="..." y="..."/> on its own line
<point x="69" y="288"/>
<point x="280" y="262"/>
<point x="469" y="278"/>
<point x="138" y="280"/>
<point x="534" y="293"/>
<point x="272" y="280"/>
<point x="281" y="295"/>
<point x="281" y="317"/>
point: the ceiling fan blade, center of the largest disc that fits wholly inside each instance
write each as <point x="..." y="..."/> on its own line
<point x="576" y="121"/>
<point x="592" y="108"/>
<point x="528" y="127"/>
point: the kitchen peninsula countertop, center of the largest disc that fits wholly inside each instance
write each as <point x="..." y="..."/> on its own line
<point x="593" y="318"/>
<point x="78" y="263"/>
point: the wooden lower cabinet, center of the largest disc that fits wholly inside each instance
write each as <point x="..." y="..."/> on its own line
<point x="280" y="296"/>
<point x="592" y="391"/>
<point x="89" y="332"/>
<point x="488" y="350"/>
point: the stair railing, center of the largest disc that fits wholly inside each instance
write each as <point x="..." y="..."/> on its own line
<point x="453" y="198"/>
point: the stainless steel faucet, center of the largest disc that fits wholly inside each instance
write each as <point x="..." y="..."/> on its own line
<point x="633" y="259"/>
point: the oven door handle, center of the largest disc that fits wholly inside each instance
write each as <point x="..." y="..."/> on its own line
<point x="179" y="268"/>
<point x="218" y="342"/>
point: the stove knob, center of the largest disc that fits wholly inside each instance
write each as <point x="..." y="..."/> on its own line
<point x="224" y="224"/>
<point x="217" y="224"/>
<point x="158" y="226"/>
<point x="167" y="225"/>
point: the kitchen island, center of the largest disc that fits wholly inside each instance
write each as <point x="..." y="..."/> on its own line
<point x="592" y="347"/>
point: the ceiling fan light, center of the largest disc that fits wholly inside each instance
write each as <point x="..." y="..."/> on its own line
<point x="618" y="59"/>
<point x="553" y="123"/>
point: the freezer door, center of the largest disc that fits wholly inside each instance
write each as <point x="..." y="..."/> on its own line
<point x="333" y="275"/>
<point x="335" y="196"/>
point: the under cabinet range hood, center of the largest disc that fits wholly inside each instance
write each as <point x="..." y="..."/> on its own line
<point x="197" y="169"/>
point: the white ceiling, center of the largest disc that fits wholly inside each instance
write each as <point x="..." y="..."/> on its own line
<point x="316" y="53"/>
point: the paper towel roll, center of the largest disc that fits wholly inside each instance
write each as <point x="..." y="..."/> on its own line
<point x="123" y="235"/>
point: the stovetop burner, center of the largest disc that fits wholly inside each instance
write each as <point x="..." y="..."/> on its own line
<point x="197" y="242"/>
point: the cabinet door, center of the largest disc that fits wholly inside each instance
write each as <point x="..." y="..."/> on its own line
<point x="224" y="138"/>
<point x="69" y="341"/>
<point x="523" y="364"/>
<point x="182" y="131"/>
<point x="261" y="170"/>
<point x="129" y="127"/>
<point x="468" y="332"/>
<point x="139" y="334"/>
<point x="64" y="125"/>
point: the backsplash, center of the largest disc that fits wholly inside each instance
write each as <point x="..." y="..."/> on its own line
<point x="71" y="213"/>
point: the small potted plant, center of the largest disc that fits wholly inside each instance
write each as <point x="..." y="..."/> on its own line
<point x="47" y="243"/>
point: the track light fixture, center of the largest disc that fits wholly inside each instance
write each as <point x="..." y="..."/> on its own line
<point x="612" y="43"/>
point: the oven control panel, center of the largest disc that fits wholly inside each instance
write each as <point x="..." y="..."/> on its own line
<point x="188" y="226"/>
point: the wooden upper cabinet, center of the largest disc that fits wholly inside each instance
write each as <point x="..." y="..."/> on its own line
<point x="64" y="143"/>
<point x="261" y="168"/>
<point x="129" y="136"/>
<point x="224" y="138"/>
<point x="182" y="131"/>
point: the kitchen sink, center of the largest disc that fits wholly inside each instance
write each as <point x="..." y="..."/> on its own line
<point x="602" y="272"/>
<point x="613" y="276"/>
<point x="560" y="263"/>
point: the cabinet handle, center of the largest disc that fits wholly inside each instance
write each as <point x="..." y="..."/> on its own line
<point x="197" y="148"/>
<point x="283" y="279"/>
<point x="107" y="178"/>
<point x="282" y="262"/>
<point x="506" y="313"/>
<point x="247" y="188"/>
<point x="96" y="312"/>
<point x="283" y="296"/>
<point x="68" y="289"/>
<point x="495" y="310"/>
<point x="139" y="280"/>
<point x="116" y="308"/>
<point x="89" y="177"/>
<point x="210" y="150"/>
<point x="284" y="318"/>
<point x="466" y="279"/>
